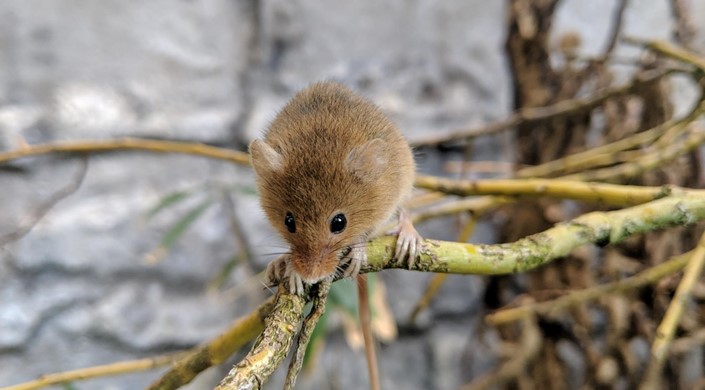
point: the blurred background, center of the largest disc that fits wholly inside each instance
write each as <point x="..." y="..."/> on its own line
<point x="152" y="253"/>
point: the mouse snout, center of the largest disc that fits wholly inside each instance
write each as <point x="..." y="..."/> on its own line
<point x="316" y="264"/>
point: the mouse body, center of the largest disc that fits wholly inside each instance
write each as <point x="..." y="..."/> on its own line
<point x="330" y="170"/>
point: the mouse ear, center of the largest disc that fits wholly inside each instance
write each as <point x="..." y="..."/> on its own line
<point x="264" y="158"/>
<point x="368" y="160"/>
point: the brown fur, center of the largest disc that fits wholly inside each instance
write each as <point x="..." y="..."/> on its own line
<point x="330" y="151"/>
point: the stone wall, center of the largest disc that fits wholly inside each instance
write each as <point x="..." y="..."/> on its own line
<point x="77" y="290"/>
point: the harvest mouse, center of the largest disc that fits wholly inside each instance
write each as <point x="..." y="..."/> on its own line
<point x="331" y="169"/>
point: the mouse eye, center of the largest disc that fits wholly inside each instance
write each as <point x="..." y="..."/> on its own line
<point x="337" y="224"/>
<point x="290" y="223"/>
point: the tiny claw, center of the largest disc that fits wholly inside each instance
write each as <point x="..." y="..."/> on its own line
<point x="276" y="271"/>
<point x="409" y="241"/>
<point x="279" y="270"/>
<point x="356" y="259"/>
<point x="296" y="284"/>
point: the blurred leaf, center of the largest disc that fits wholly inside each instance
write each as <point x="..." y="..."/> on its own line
<point x="247" y="190"/>
<point x="166" y="201"/>
<point x="176" y="231"/>
<point x="384" y="325"/>
<point x="343" y="295"/>
<point x="222" y="275"/>
<point x="68" y="386"/>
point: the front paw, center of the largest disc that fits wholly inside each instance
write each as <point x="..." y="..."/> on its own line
<point x="280" y="270"/>
<point x="356" y="259"/>
<point x="409" y="245"/>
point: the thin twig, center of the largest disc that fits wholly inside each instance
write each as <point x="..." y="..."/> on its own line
<point x="617" y="22"/>
<point x="669" y="50"/>
<point x="608" y="194"/>
<point x="122" y="144"/>
<point x="526" y="352"/>
<point x="98" y="371"/>
<point x="573" y="298"/>
<point x="694" y="138"/>
<point x="667" y="327"/>
<point x="309" y="324"/>
<point x="271" y="346"/>
<point x="606" y="154"/>
<point x="363" y="304"/>
<point x="49" y="204"/>
<point x="538" y="114"/>
<point x="684" y="31"/>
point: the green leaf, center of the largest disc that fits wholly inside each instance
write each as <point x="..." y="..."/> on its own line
<point x="182" y="224"/>
<point x="166" y="201"/>
<point x="344" y="295"/>
<point x="68" y="386"/>
<point x="221" y="276"/>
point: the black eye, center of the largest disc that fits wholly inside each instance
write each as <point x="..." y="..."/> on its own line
<point x="290" y="222"/>
<point x="337" y="224"/>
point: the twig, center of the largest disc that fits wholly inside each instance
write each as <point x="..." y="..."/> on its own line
<point x="363" y="304"/>
<point x="317" y="310"/>
<point x="97" y="371"/>
<point x="538" y="114"/>
<point x="151" y="145"/>
<point x="685" y="30"/>
<point x="669" y="50"/>
<point x="526" y="352"/>
<point x="694" y="139"/>
<point x="271" y="346"/>
<point x="606" y="154"/>
<point x="573" y="298"/>
<point x="49" y="204"/>
<point x="608" y="194"/>
<point x="217" y="350"/>
<point x="667" y="327"/>
<point x="618" y="20"/>
<point x="688" y="343"/>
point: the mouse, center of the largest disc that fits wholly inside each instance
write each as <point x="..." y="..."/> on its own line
<point x="331" y="169"/>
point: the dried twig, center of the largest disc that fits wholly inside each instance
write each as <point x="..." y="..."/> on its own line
<point x="667" y="327"/>
<point x="618" y="20"/>
<point x="572" y="298"/>
<point x="526" y="352"/>
<point x="98" y="371"/>
<point x="693" y="139"/>
<point x="122" y="144"/>
<point x="217" y="350"/>
<point x="297" y="360"/>
<point x="608" y="194"/>
<point x="538" y="114"/>
<point x="607" y="154"/>
<point x="363" y="304"/>
<point x="49" y="204"/>
<point x="271" y="346"/>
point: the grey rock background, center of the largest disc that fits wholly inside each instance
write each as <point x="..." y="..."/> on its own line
<point x="76" y="291"/>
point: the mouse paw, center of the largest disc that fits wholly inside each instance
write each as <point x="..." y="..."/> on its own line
<point x="410" y="244"/>
<point x="280" y="270"/>
<point x="356" y="259"/>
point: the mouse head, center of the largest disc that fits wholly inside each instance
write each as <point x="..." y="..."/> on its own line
<point x="321" y="210"/>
